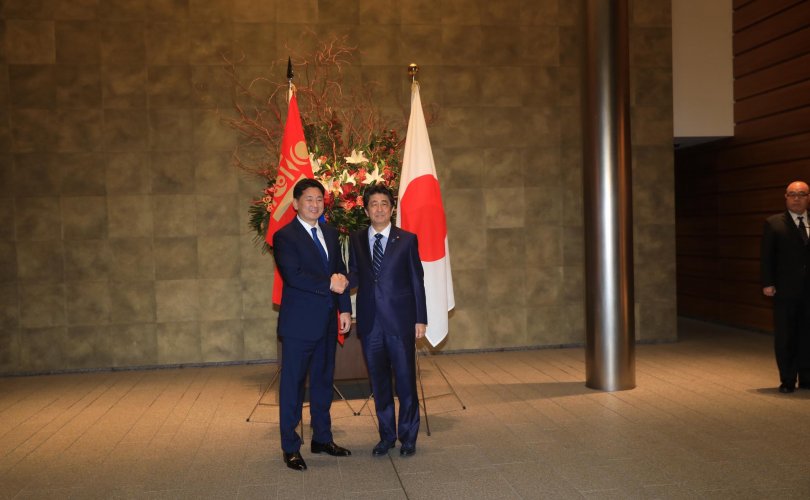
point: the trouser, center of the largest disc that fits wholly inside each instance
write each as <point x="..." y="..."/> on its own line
<point x="384" y="354"/>
<point x="298" y="358"/>
<point x="792" y="339"/>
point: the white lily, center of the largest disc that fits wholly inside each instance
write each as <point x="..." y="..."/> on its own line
<point x="316" y="165"/>
<point x="374" y="175"/>
<point x="356" y="157"/>
<point x="347" y="178"/>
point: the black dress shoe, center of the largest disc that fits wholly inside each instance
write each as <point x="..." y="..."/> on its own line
<point x="295" y="461"/>
<point x="329" y="448"/>
<point x="382" y="448"/>
<point x="407" y="450"/>
<point x="786" y="388"/>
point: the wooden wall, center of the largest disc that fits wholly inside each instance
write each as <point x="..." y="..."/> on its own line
<point x="725" y="190"/>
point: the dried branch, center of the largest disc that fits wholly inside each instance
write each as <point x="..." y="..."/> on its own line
<point x="336" y="118"/>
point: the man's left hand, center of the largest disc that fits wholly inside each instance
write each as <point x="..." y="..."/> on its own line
<point x="421" y="328"/>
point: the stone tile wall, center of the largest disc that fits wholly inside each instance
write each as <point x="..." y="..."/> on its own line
<point x="123" y="227"/>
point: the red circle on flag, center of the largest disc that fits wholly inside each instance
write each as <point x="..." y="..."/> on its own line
<point x="421" y="212"/>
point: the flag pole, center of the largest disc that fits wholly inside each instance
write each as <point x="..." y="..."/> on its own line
<point x="290" y="76"/>
<point x="413" y="69"/>
<point x="276" y="376"/>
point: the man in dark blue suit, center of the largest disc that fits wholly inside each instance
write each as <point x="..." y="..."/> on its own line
<point x="310" y="262"/>
<point x="391" y="315"/>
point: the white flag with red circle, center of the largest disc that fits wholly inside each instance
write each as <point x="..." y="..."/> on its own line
<point x="420" y="210"/>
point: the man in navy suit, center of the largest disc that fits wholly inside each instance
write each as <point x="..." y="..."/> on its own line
<point x="785" y="260"/>
<point x="391" y="315"/>
<point x="310" y="262"/>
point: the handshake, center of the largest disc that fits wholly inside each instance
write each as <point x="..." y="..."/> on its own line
<point x="338" y="283"/>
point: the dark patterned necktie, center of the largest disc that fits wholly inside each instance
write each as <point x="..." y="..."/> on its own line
<point x="802" y="228"/>
<point x="376" y="262"/>
<point x="321" y="249"/>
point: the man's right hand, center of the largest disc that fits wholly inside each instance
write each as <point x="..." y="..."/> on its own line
<point x="769" y="291"/>
<point x="338" y="283"/>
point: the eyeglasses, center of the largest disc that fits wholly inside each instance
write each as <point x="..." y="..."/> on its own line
<point x="794" y="194"/>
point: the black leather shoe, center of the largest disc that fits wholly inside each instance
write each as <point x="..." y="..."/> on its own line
<point x="329" y="448"/>
<point x="786" y="388"/>
<point x="382" y="448"/>
<point x="407" y="450"/>
<point x="295" y="461"/>
<point x="804" y="385"/>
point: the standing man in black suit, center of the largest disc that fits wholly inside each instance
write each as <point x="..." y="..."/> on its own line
<point x="310" y="262"/>
<point x="785" y="263"/>
<point x="391" y="315"/>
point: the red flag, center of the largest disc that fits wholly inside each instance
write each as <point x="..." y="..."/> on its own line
<point x="293" y="166"/>
<point x="421" y="211"/>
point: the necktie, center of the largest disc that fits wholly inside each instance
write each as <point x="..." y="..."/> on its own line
<point x="802" y="228"/>
<point x="321" y="249"/>
<point x="376" y="262"/>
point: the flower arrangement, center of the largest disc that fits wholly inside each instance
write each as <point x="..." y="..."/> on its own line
<point x="344" y="180"/>
<point x="351" y="144"/>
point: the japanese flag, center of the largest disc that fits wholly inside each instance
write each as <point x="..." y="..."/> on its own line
<point x="421" y="211"/>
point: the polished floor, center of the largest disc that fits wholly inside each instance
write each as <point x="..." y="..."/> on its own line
<point x="705" y="421"/>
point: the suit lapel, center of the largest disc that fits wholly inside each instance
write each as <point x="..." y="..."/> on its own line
<point x="391" y="248"/>
<point x="332" y="244"/>
<point x="307" y="242"/>
<point x="794" y="229"/>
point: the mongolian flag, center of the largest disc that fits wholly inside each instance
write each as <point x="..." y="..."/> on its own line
<point x="293" y="166"/>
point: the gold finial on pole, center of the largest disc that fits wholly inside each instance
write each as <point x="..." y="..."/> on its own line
<point x="413" y="69"/>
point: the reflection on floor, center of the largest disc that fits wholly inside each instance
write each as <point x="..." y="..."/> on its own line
<point x="705" y="421"/>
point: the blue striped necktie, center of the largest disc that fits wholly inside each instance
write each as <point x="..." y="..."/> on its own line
<point x="376" y="262"/>
<point x="321" y="249"/>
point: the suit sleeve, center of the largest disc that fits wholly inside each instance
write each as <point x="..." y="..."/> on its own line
<point x="293" y="269"/>
<point x="344" y="299"/>
<point x="767" y="256"/>
<point x="418" y="282"/>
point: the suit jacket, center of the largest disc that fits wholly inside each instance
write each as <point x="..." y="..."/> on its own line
<point x="397" y="298"/>
<point x="307" y="304"/>
<point x="784" y="258"/>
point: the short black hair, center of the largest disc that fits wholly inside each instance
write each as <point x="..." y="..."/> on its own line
<point x="377" y="188"/>
<point x="305" y="184"/>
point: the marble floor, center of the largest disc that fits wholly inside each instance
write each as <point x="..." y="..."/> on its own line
<point x="705" y="421"/>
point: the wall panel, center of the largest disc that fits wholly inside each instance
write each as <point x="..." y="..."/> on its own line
<point x="783" y="74"/>
<point x="777" y="25"/>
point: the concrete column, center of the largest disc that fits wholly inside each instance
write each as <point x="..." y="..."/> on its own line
<point x="610" y="336"/>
